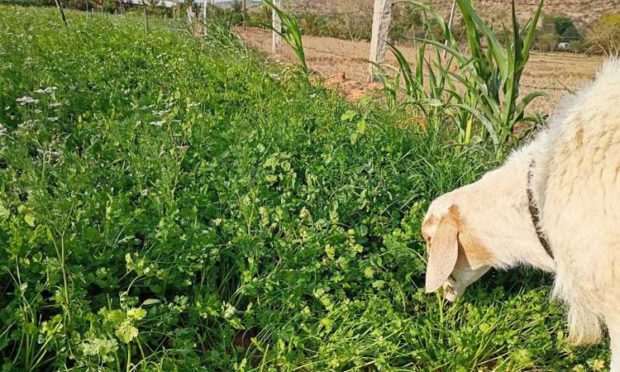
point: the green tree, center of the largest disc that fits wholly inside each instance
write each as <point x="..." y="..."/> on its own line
<point x="562" y="27"/>
<point x="237" y="6"/>
<point x="565" y="28"/>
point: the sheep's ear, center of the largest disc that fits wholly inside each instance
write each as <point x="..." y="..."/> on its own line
<point x="443" y="251"/>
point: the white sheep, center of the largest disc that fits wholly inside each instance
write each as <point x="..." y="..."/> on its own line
<point x="554" y="205"/>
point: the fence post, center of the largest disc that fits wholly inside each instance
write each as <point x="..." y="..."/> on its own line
<point x="205" y="13"/>
<point x="245" y="14"/>
<point x="190" y="17"/>
<point x="204" y="16"/>
<point x="146" y="16"/>
<point x="276" y="45"/>
<point x="382" y="16"/>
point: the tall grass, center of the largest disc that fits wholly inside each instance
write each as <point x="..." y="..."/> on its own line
<point x="425" y="86"/>
<point x="479" y="85"/>
<point x="291" y="34"/>
<point x="494" y="75"/>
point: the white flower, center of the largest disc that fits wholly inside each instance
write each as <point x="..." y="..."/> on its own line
<point x="161" y="113"/>
<point x="126" y="331"/>
<point x="49" y="153"/>
<point x="48" y="90"/>
<point x="55" y="104"/>
<point x="229" y="310"/>
<point x="53" y="119"/>
<point x="158" y="123"/>
<point x="2" y="130"/>
<point x="26" y="100"/>
<point x="99" y="346"/>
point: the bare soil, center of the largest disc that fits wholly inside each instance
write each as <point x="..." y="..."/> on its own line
<point x="342" y="63"/>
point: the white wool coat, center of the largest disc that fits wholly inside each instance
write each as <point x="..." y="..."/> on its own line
<point x="575" y="182"/>
<point x="577" y="187"/>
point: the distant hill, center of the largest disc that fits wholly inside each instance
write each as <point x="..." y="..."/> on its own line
<point x="583" y="12"/>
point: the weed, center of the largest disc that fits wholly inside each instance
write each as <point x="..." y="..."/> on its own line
<point x="291" y="34"/>
<point x="483" y="86"/>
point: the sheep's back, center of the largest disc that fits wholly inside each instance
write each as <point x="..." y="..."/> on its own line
<point x="582" y="197"/>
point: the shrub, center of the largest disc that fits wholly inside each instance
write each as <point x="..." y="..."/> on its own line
<point x="260" y="16"/>
<point x="555" y="30"/>
<point x="232" y="17"/>
<point x="484" y="87"/>
<point x="312" y="24"/>
<point x="407" y="21"/>
<point x="547" y="37"/>
<point x="28" y="2"/>
<point x="604" y="37"/>
<point x="564" y="28"/>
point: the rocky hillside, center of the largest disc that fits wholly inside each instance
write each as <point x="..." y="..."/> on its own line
<point x="583" y="12"/>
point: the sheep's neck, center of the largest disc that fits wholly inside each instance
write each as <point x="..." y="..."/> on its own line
<point x="512" y="236"/>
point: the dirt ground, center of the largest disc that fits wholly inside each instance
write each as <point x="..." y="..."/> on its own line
<point x="342" y="64"/>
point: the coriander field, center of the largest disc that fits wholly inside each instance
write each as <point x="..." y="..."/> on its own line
<point x="172" y="203"/>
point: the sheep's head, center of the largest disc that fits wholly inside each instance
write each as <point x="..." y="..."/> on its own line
<point x="456" y="256"/>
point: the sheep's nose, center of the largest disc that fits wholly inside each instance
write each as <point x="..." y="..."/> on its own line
<point x="449" y="292"/>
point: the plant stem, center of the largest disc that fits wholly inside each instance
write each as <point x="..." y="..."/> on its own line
<point x="62" y="13"/>
<point x="468" y="129"/>
<point x="450" y="22"/>
<point x="64" y="275"/>
<point x="128" y="366"/>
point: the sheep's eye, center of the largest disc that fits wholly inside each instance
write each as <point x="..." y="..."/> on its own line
<point x="427" y="238"/>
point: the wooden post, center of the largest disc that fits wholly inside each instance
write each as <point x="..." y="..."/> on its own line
<point x="146" y="16"/>
<point x="62" y="13"/>
<point x="204" y="11"/>
<point x="276" y="45"/>
<point x="381" y="19"/>
<point x="190" y="18"/>
<point x="245" y="14"/>
<point x="204" y="16"/>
